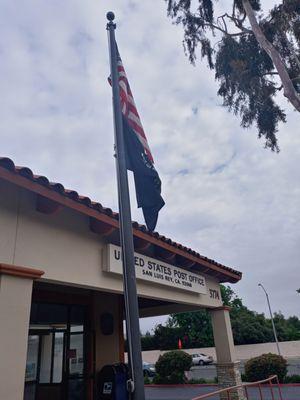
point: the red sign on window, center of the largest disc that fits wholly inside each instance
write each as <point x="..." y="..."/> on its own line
<point x="71" y="353"/>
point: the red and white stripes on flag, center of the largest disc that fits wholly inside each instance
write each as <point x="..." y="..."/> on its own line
<point x="129" y="109"/>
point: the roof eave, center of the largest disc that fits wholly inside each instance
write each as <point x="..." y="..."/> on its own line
<point x="40" y="185"/>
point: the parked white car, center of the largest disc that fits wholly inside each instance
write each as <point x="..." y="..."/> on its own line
<point x="201" y="359"/>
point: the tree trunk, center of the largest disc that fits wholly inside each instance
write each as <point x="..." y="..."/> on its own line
<point x="288" y="88"/>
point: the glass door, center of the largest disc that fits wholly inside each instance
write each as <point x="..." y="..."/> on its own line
<point x="31" y="367"/>
<point x="44" y="366"/>
<point x="75" y="366"/>
<point x="56" y="357"/>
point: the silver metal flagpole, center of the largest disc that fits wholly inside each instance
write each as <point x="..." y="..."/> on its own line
<point x="126" y="235"/>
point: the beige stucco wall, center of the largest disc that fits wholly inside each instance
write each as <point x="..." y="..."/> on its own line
<point x="107" y="346"/>
<point x="64" y="247"/>
<point x="8" y="221"/>
<point x="15" y="301"/>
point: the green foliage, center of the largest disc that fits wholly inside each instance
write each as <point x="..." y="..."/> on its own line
<point x="201" y="381"/>
<point x="249" y="327"/>
<point x="245" y="86"/>
<point x="292" y="379"/>
<point x="243" y="378"/>
<point x="174" y="379"/>
<point x="262" y="367"/>
<point x="171" y="366"/>
<point x="157" y="380"/>
<point x="148" y="342"/>
<point x="254" y="3"/>
<point x="166" y="337"/>
<point x="195" y="329"/>
<point x="147" y="380"/>
<point x="197" y="381"/>
<point x="247" y="78"/>
<point x="287" y="329"/>
<point x="229" y="298"/>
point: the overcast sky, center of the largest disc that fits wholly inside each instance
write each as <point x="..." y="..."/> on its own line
<point x="226" y="196"/>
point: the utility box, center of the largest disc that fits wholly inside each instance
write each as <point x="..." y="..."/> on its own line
<point x="112" y="382"/>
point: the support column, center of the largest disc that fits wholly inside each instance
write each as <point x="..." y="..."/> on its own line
<point x="228" y="372"/>
<point x="15" y="303"/>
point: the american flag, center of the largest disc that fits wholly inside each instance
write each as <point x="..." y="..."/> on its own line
<point x="129" y="108"/>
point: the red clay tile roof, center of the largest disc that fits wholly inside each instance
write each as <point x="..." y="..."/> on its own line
<point x="26" y="172"/>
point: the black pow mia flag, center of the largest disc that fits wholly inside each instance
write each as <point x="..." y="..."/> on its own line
<point x="147" y="181"/>
<point x="138" y="154"/>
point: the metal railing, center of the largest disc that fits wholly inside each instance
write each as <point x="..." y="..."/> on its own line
<point x="263" y="384"/>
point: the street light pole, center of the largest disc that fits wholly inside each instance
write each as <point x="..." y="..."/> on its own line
<point x="271" y="315"/>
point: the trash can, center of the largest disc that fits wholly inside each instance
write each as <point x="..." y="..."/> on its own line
<point x="112" y="382"/>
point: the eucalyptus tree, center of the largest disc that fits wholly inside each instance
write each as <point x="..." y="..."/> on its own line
<point x="253" y="51"/>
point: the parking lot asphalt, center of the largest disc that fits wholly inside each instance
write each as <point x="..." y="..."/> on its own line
<point x="190" y="392"/>
<point x="209" y="371"/>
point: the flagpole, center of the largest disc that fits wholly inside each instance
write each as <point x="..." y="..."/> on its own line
<point x="126" y="234"/>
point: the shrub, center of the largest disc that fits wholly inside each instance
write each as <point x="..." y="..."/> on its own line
<point x="262" y="367"/>
<point x="171" y="366"/>
<point x="148" y="342"/>
<point x="202" y="381"/>
<point x="158" y="380"/>
<point x="197" y="381"/>
<point x="292" y="379"/>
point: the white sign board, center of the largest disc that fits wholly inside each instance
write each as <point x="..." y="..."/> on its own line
<point x="152" y="270"/>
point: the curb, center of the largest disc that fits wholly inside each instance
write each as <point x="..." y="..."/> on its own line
<point x="183" y="385"/>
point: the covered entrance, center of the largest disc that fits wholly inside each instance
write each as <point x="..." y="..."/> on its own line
<point x="61" y="289"/>
<point x="58" y="362"/>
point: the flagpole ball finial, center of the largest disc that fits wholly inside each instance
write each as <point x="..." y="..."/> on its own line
<point x="110" y="16"/>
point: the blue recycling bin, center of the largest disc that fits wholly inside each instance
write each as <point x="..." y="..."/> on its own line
<point x="112" y="382"/>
